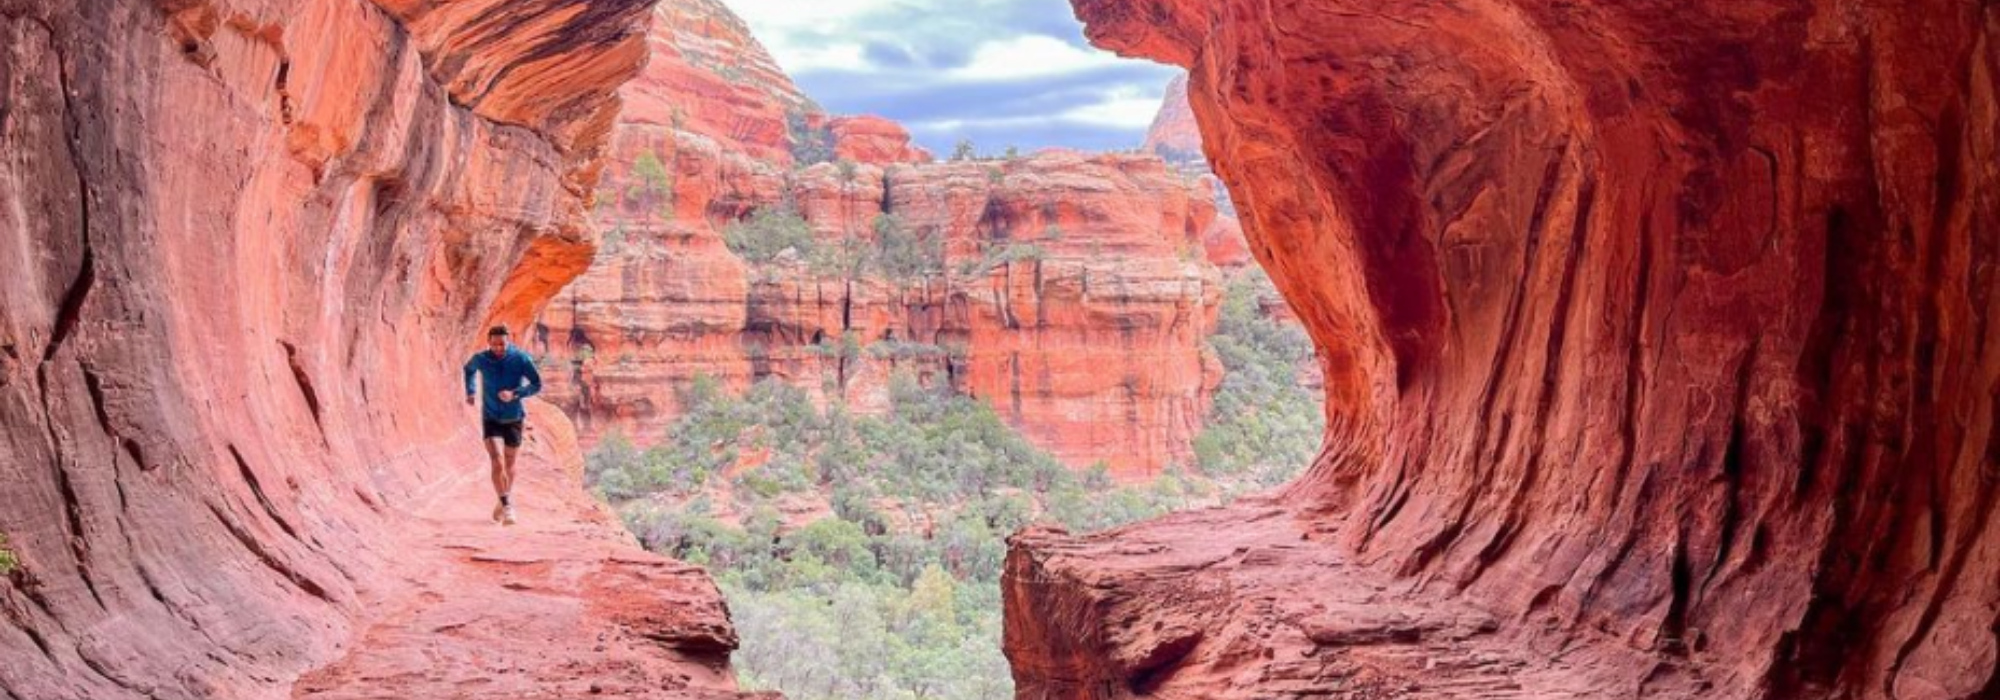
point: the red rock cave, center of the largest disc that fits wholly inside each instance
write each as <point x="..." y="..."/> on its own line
<point x="1656" y="340"/>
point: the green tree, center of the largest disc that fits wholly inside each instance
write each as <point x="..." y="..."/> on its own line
<point x="964" y="151"/>
<point x="612" y="470"/>
<point x="902" y="254"/>
<point x="768" y="233"/>
<point x="652" y="173"/>
<point x="998" y="256"/>
<point x="1264" y="426"/>
<point x="810" y="145"/>
<point x="895" y="592"/>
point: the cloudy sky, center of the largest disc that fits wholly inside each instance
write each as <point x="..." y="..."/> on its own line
<point x="999" y="72"/>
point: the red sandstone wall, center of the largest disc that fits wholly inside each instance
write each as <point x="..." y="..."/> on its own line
<point x="1656" y="327"/>
<point x="1097" y="351"/>
<point x="706" y="74"/>
<point x="243" y="244"/>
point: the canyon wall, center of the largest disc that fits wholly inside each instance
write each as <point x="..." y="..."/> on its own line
<point x="1659" y="359"/>
<point x="247" y="244"/>
<point x="1071" y="294"/>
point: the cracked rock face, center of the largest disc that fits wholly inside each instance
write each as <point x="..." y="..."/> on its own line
<point x="1662" y="335"/>
<point x="245" y="244"/>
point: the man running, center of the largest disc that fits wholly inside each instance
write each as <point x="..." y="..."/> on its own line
<point x="508" y="375"/>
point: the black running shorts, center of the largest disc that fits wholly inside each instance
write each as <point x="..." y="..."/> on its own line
<point x="507" y="432"/>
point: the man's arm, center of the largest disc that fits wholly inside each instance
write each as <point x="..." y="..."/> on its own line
<point x="471" y="371"/>
<point x="532" y="376"/>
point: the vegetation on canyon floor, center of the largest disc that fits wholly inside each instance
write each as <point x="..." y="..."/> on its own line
<point x="861" y="554"/>
<point x="1265" y="423"/>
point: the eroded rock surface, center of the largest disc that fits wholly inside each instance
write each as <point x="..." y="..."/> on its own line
<point x="707" y="75"/>
<point x="563" y="605"/>
<point x="1663" y="336"/>
<point x="246" y="245"/>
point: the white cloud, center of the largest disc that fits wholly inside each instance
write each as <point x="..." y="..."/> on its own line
<point x="806" y="59"/>
<point x="796" y="32"/>
<point x="1118" y="112"/>
<point x="1004" y="70"/>
<point x="1030" y="56"/>
<point x="821" y="15"/>
<point x="1122" y="107"/>
<point x="826" y="35"/>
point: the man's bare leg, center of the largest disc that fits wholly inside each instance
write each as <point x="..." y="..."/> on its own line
<point x="505" y="477"/>
<point x="502" y="478"/>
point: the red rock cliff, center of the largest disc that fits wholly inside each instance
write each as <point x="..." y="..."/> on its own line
<point x="1174" y="134"/>
<point x="246" y="245"/>
<point x="1659" y="359"/>
<point x="708" y="75"/>
<point x="1096" y="349"/>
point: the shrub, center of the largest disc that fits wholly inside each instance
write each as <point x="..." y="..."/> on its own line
<point x="1263" y="427"/>
<point x="846" y="346"/>
<point x="854" y="604"/>
<point x="9" y="563"/>
<point x="653" y="175"/>
<point x="614" y="240"/>
<point x="902" y="350"/>
<point x="810" y="145"/>
<point x="612" y="469"/>
<point x="847" y="260"/>
<point x="768" y="233"/>
<point x="999" y="255"/>
<point x="902" y="254"/>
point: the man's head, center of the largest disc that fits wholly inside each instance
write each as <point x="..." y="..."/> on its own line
<point x="496" y="340"/>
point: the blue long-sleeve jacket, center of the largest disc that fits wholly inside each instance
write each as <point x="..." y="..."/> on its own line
<point x="514" y="370"/>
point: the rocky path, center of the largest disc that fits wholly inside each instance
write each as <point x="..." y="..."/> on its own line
<point x="1241" y="602"/>
<point x="562" y="605"/>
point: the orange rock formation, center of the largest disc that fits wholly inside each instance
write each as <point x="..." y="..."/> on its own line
<point x="1096" y="349"/>
<point x="244" y="246"/>
<point x="1660" y="360"/>
<point x="1174" y="134"/>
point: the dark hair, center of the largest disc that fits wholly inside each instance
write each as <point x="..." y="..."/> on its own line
<point x="497" y="331"/>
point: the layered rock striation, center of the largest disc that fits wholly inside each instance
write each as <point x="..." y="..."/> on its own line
<point x="1069" y="291"/>
<point x="1658" y="352"/>
<point x="707" y="75"/>
<point x="247" y="244"/>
